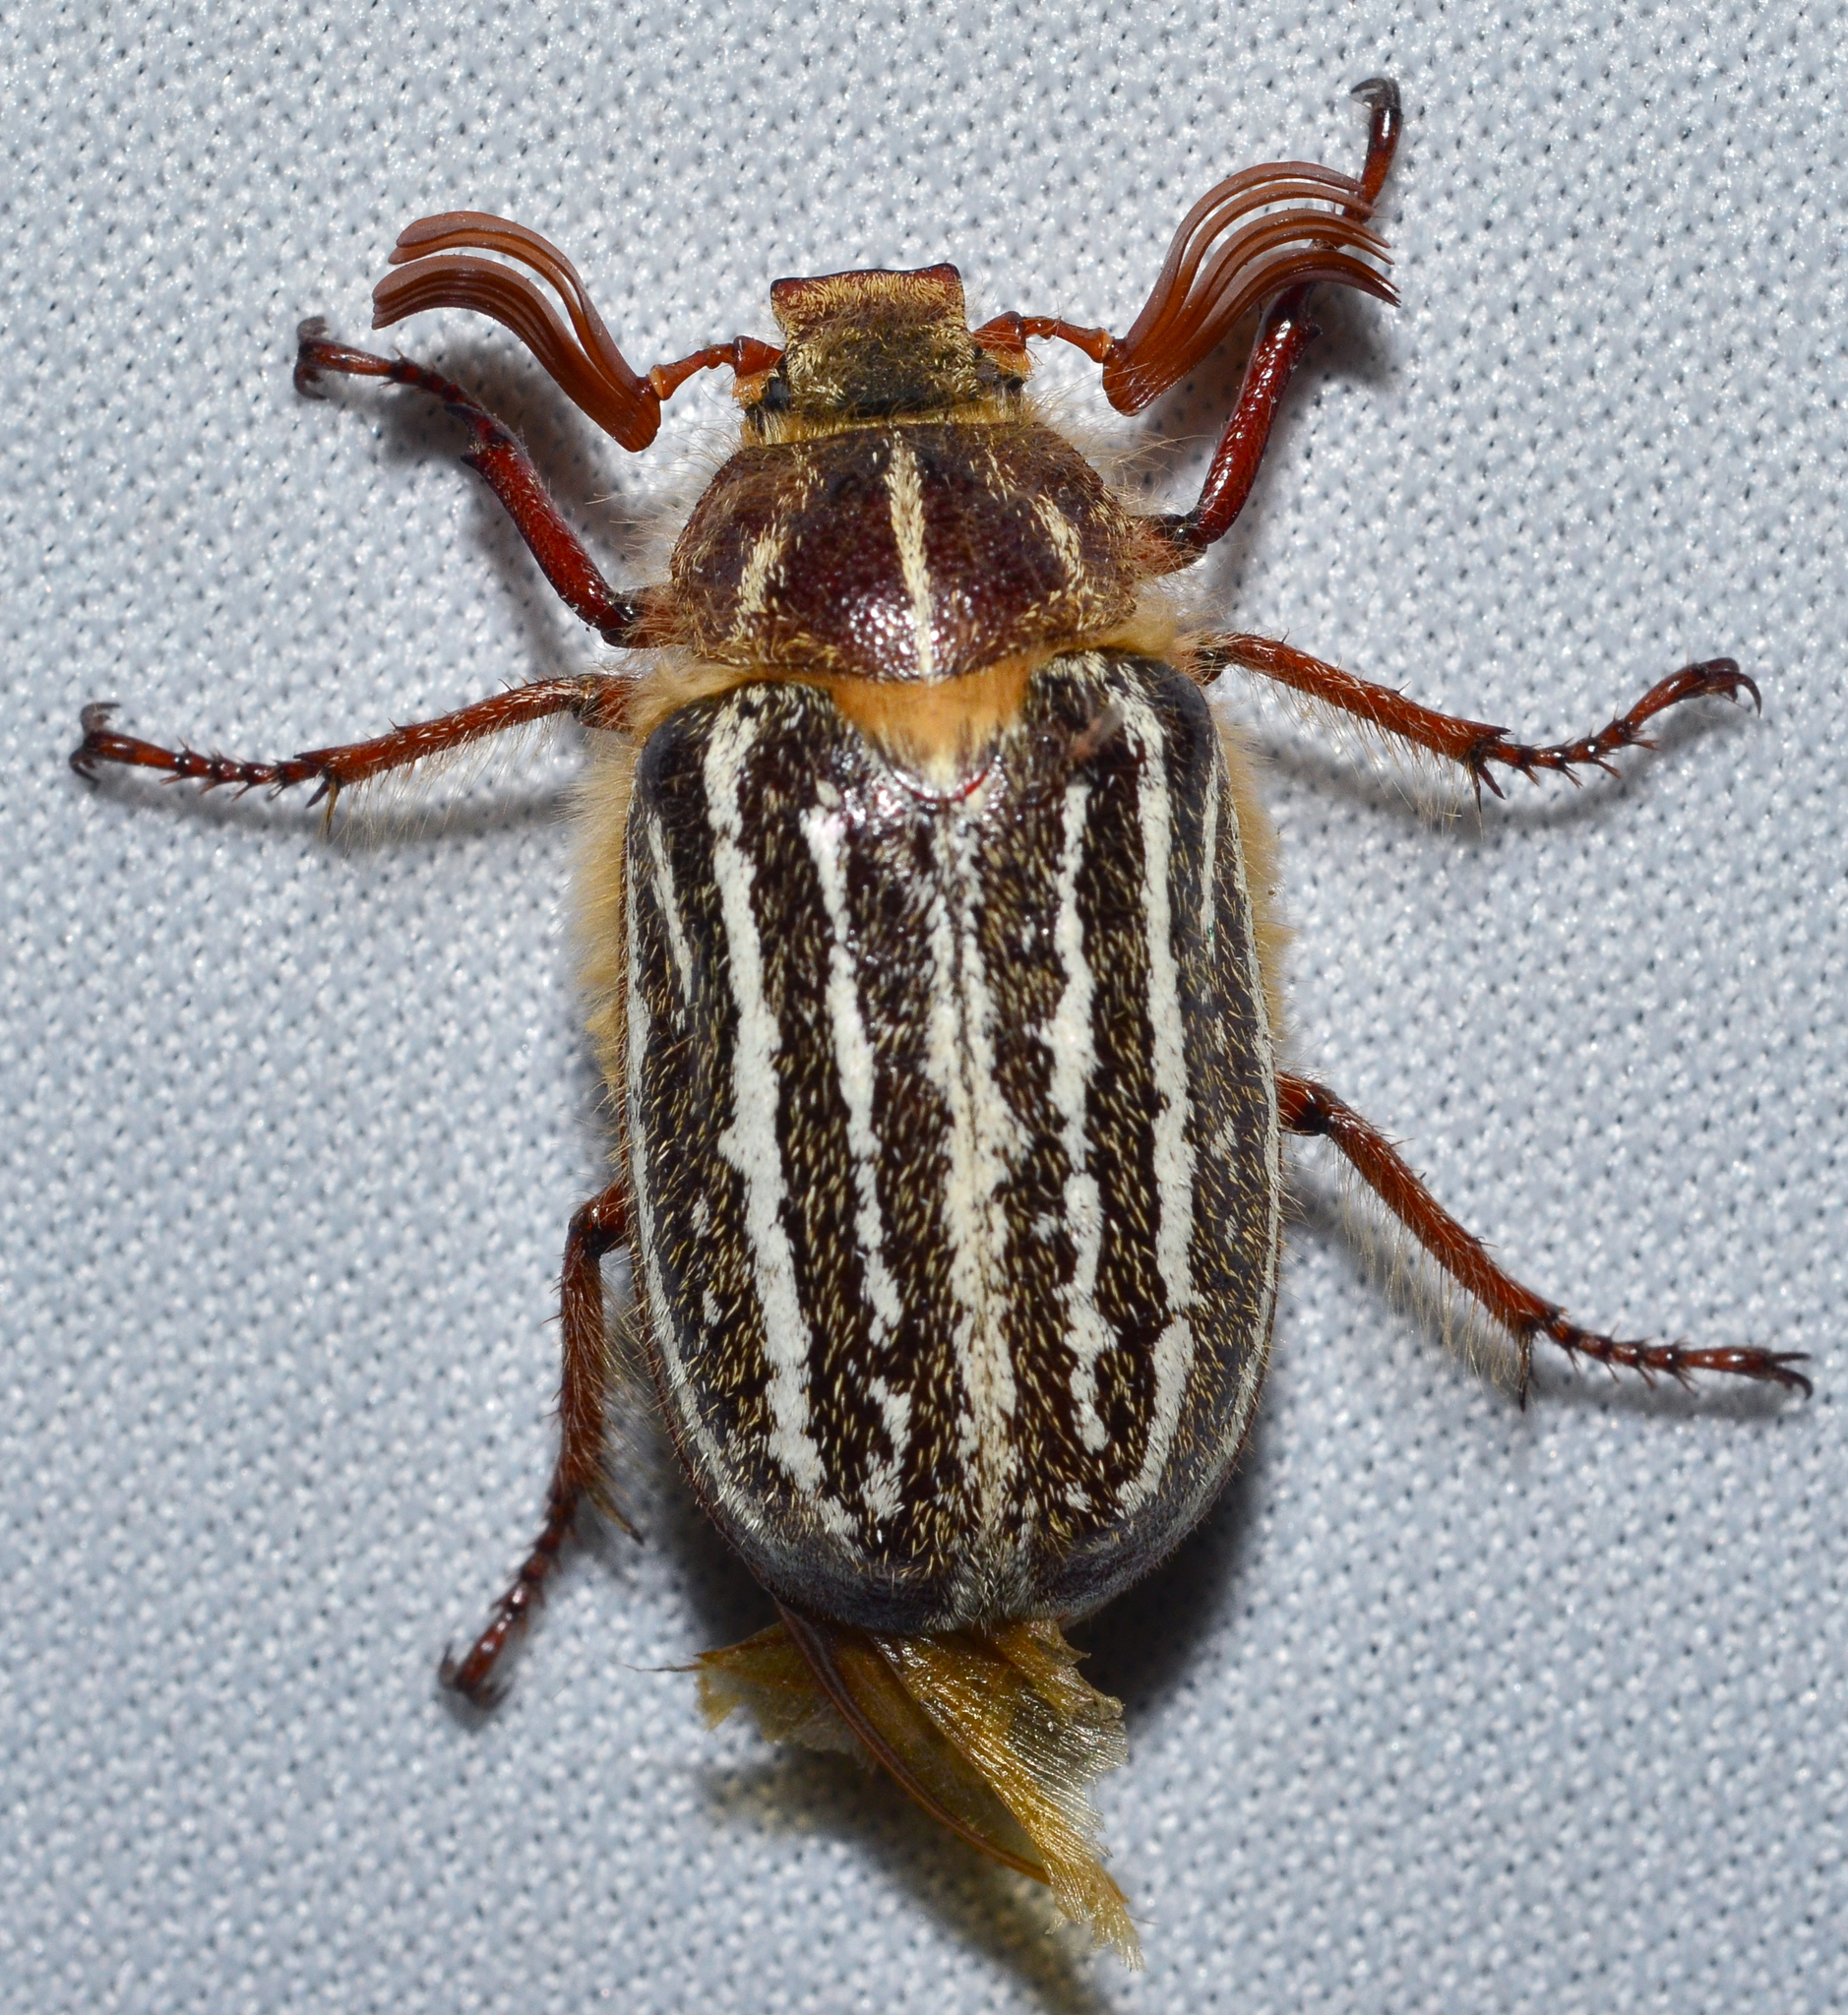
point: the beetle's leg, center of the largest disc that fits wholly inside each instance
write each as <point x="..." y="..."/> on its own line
<point x="1308" y="1108"/>
<point x="1285" y="334"/>
<point x="594" y="698"/>
<point x="580" y="1472"/>
<point x="1381" y="98"/>
<point x="501" y="464"/>
<point x="1472" y="744"/>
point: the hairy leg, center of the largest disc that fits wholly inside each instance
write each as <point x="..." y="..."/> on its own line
<point x="578" y="1474"/>
<point x="501" y="464"/>
<point x="1472" y="744"/>
<point x="1308" y="1108"/>
<point x="595" y="699"/>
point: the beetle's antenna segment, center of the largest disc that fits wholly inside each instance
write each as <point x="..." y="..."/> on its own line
<point x="583" y="358"/>
<point x="1196" y="298"/>
<point x="1201" y="292"/>
<point x="746" y="355"/>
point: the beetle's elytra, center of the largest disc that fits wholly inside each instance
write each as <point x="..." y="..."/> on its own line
<point x="931" y="960"/>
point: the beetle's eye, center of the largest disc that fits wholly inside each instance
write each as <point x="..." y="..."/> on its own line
<point x="775" y="398"/>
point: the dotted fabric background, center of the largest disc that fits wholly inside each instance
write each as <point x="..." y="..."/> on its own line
<point x="1449" y="1705"/>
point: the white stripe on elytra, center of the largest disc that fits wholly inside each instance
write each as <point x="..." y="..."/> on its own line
<point x="1072" y="1041"/>
<point x="667" y="903"/>
<point x="1209" y="856"/>
<point x="749" y="1142"/>
<point x="959" y="1060"/>
<point x="1173" y="1152"/>
<point x="905" y="491"/>
<point x="744" y="1514"/>
<point x="1253" y="1369"/>
<point x="825" y="829"/>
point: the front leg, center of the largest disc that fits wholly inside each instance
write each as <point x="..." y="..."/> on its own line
<point x="501" y="464"/>
<point x="1307" y="1108"/>
<point x="1286" y="333"/>
<point x="1472" y="744"/>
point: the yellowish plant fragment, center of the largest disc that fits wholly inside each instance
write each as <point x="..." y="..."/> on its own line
<point x="993" y="1733"/>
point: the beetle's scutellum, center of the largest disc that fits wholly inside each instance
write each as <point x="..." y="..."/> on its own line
<point x="932" y="960"/>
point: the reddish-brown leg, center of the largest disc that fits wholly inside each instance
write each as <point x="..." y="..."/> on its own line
<point x="1286" y="333"/>
<point x="1284" y="336"/>
<point x="1474" y="744"/>
<point x="594" y="698"/>
<point x="1308" y="1108"/>
<point x="580" y="1472"/>
<point x="500" y="460"/>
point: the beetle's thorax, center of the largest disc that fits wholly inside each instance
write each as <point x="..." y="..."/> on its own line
<point x="897" y="511"/>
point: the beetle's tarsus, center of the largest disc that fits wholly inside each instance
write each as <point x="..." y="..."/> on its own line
<point x="94" y="720"/>
<point x="1676" y="1360"/>
<point x="307" y="374"/>
<point x="485" y="1693"/>
<point x="1381" y="95"/>
<point x="473" y="1676"/>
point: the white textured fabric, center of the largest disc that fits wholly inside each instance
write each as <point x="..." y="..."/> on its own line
<point x="1450" y="1706"/>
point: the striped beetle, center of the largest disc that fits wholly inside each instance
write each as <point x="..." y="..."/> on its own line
<point x="933" y="962"/>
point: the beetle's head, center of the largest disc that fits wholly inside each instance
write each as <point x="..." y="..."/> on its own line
<point x="862" y="346"/>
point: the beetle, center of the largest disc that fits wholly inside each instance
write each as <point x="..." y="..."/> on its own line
<point x="932" y="960"/>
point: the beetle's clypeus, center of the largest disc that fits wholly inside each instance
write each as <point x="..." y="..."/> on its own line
<point x="930" y="956"/>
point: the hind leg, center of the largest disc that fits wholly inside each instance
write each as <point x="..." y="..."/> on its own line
<point x="1307" y="1108"/>
<point x="578" y="1475"/>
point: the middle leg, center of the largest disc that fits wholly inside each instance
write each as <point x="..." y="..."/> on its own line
<point x="1473" y="745"/>
<point x="595" y="699"/>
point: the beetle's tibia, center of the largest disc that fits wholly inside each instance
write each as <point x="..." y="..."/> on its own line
<point x="501" y="464"/>
<point x="1286" y="335"/>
